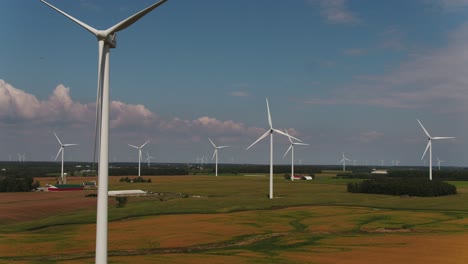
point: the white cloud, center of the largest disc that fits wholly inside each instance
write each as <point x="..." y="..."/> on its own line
<point x="435" y="79"/>
<point x="17" y="106"/>
<point x="336" y="12"/>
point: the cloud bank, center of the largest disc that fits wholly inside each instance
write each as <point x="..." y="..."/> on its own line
<point x="19" y="107"/>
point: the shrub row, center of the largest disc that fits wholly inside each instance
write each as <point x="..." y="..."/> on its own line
<point x="138" y="179"/>
<point x="402" y="186"/>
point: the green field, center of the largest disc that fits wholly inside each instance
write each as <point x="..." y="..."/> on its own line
<point x="229" y="219"/>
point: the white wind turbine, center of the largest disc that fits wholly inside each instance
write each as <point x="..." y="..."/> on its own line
<point x="439" y="162"/>
<point x="62" y="150"/>
<point x="139" y="155"/>
<point x="270" y="132"/>
<point x="429" y="146"/>
<point x="106" y="40"/>
<point x="343" y="160"/>
<point x="215" y="153"/>
<point x="291" y="147"/>
<point x="148" y="158"/>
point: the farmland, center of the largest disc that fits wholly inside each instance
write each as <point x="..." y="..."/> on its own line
<point x="228" y="219"/>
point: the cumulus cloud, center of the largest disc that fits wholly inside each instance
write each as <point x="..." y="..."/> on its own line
<point x="335" y="11"/>
<point x="18" y="106"/>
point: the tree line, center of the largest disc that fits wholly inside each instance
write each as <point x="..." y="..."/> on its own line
<point x="403" y="186"/>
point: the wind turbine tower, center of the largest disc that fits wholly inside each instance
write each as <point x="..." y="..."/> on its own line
<point x="62" y="150"/>
<point x="270" y="132"/>
<point x="106" y="41"/>
<point x="215" y="153"/>
<point x="429" y="146"/>
<point x="139" y="155"/>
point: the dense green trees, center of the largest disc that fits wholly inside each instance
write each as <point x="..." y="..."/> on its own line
<point x="403" y="186"/>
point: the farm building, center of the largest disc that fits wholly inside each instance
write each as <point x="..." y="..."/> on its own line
<point x="374" y="171"/>
<point x="65" y="187"/>
<point x="127" y="193"/>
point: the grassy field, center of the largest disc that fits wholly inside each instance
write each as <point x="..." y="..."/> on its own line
<point x="228" y="219"/>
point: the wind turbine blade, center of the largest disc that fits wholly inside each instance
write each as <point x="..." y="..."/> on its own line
<point x="68" y="145"/>
<point x="133" y="146"/>
<point x="132" y="19"/>
<point x="289" y="137"/>
<point x="58" y="139"/>
<point x="58" y="153"/>
<point x="290" y="146"/>
<point x="342" y="160"/>
<point x="442" y="137"/>
<point x="427" y="147"/>
<point x="212" y="143"/>
<point x="269" y="115"/>
<point x="145" y="143"/>
<point x="284" y="134"/>
<point x="214" y="153"/>
<point x="85" y="26"/>
<point x="425" y="131"/>
<point x="220" y="147"/>
<point x="301" y="144"/>
<point x="347" y="159"/>
<point x="260" y="138"/>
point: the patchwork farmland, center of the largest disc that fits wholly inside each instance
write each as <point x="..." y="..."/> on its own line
<point x="228" y="219"/>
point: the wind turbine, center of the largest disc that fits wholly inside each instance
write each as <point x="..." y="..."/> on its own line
<point x="439" y="161"/>
<point x="343" y="160"/>
<point x="139" y="154"/>
<point x="106" y="40"/>
<point x="291" y="147"/>
<point x="148" y="158"/>
<point x="62" y="150"/>
<point x="429" y="146"/>
<point x="270" y="132"/>
<point x="215" y="153"/>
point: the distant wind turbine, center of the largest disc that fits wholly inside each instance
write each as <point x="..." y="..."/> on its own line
<point x="215" y="153"/>
<point x="62" y="150"/>
<point x="107" y="40"/>
<point x="429" y="146"/>
<point x="343" y="160"/>
<point x="139" y="155"/>
<point x="291" y="147"/>
<point x="438" y="162"/>
<point x="148" y="158"/>
<point x="270" y="132"/>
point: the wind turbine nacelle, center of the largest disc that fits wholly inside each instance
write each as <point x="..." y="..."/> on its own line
<point x="111" y="40"/>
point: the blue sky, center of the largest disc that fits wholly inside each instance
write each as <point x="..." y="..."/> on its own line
<point x="344" y="76"/>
